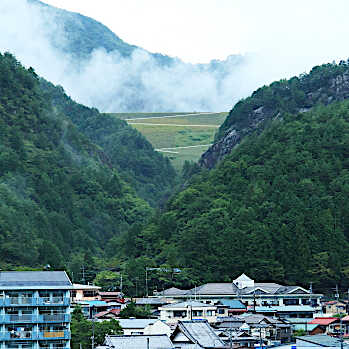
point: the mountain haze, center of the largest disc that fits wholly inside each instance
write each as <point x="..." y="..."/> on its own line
<point x="61" y="194"/>
<point x="98" y="69"/>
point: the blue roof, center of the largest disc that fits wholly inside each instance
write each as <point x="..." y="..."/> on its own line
<point x="305" y="327"/>
<point x="286" y="308"/>
<point x="94" y="303"/>
<point x="232" y="303"/>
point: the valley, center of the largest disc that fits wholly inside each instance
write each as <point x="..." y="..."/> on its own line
<point x="180" y="136"/>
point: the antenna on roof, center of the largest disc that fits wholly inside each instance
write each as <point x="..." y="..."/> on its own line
<point x="311" y="288"/>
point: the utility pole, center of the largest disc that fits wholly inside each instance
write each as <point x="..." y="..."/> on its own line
<point x="341" y="333"/>
<point x="93" y="328"/>
<point x="337" y="293"/>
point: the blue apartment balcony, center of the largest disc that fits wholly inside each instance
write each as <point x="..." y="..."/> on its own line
<point x="34" y="335"/>
<point x="43" y="318"/>
<point x="34" y="301"/>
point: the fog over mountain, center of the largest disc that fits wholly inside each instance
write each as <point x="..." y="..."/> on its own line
<point x="98" y="69"/>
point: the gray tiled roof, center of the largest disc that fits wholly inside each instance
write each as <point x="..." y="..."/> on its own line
<point x="139" y="342"/>
<point x="193" y="304"/>
<point x="199" y="331"/>
<point x="321" y="340"/>
<point x="151" y="301"/>
<point x="228" y="288"/>
<point x="34" y="279"/>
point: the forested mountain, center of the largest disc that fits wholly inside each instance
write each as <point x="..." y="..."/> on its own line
<point x="275" y="208"/>
<point x="83" y="35"/>
<point x="324" y="84"/>
<point x="98" y="69"/>
<point x="147" y="171"/>
<point x="59" y="193"/>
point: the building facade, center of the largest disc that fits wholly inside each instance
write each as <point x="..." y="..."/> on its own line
<point x="35" y="310"/>
<point x="249" y="292"/>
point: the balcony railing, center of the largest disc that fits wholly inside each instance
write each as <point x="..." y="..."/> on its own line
<point x="34" y="301"/>
<point x="54" y="318"/>
<point x="44" y="335"/>
<point x="34" y="335"/>
<point x="42" y="318"/>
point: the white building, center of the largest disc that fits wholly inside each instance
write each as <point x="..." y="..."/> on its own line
<point x="188" y="310"/>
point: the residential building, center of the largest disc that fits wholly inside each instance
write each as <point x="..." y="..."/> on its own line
<point x="135" y="326"/>
<point x="107" y="315"/>
<point x="270" y="329"/>
<point x="85" y="293"/>
<point x="286" y="312"/>
<point x="137" y="342"/>
<point x="158" y="327"/>
<point x="35" y="309"/>
<point x="233" y="307"/>
<point x="326" y="325"/>
<point x="331" y="308"/>
<point x="196" y="334"/>
<point x="249" y="292"/>
<point x="188" y="310"/>
<point x="319" y="342"/>
<point x="237" y="339"/>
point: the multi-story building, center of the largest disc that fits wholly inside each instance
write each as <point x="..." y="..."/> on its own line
<point x="34" y="310"/>
<point x="249" y="292"/>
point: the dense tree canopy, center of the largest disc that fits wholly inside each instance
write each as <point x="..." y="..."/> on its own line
<point x="276" y="208"/>
<point x="147" y="171"/>
<point x="59" y="194"/>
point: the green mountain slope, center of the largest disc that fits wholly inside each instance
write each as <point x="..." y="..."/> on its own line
<point x="147" y="171"/>
<point x="84" y="34"/>
<point x="276" y="208"/>
<point x="325" y="84"/>
<point x="59" y="193"/>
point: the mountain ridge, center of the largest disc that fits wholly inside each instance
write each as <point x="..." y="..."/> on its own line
<point x="324" y="84"/>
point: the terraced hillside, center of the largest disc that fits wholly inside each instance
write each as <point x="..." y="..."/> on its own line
<point x="180" y="136"/>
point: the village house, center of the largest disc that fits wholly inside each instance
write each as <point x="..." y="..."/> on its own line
<point x="331" y="308"/>
<point x="85" y="293"/>
<point x="326" y="325"/>
<point x="271" y="330"/>
<point x="137" y="342"/>
<point x="135" y="326"/>
<point x="188" y="310"/>
<point x="249" y="292"/>
<point x="196" y="334"/>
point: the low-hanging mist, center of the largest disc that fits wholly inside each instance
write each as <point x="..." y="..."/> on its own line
<point x="113" y="82"/>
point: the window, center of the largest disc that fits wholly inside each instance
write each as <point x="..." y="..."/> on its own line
<point x="197" y="313"/>
<point x="179" y="313"/>
<point x="220" y="311"/>
<point x="291" y="301"/>
<point x="210" y="313"/>
<point x="89" y="293"/>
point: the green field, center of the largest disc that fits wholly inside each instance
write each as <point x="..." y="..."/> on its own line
<point x="169" y="134"/>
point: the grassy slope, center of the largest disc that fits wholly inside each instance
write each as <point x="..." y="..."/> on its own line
<point x="168" y="135"/>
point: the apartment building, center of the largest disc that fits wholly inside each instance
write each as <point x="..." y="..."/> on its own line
<point x="34" y="310"/>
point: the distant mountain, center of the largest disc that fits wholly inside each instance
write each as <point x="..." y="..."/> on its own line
<point x="325" y="84"/>
<point x="84" y="34"/>
<point x="99" y="69"/>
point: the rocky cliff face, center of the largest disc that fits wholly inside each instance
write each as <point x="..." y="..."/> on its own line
<point x="260" y="111"/>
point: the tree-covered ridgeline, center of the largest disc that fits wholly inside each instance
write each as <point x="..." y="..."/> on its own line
<point x="59" y="193"/>
<point x="276" y="208"/>
<point x="323" y="85"/>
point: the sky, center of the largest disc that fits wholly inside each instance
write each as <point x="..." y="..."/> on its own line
<point x="277" y="39"/>
<point x="200" y="30"/>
